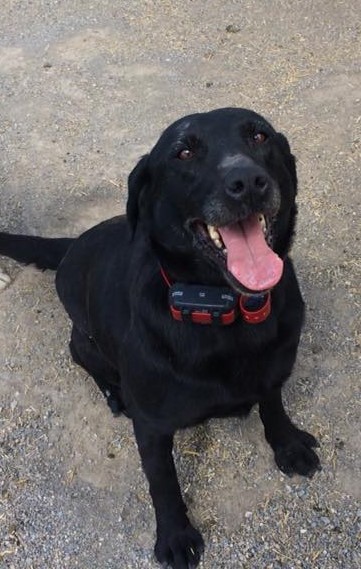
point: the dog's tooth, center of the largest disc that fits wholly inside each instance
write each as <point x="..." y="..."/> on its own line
<point x="214" y="235"/>
<point x="213" y="232"/>
<point x="262" y="220"/>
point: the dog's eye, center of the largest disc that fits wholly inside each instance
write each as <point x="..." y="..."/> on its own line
<point x="259" y="137"/>
<point x="185" y="154"/>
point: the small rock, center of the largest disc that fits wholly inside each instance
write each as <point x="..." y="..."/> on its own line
<point x="233" y="29"/>
<point x="5" y="280"/>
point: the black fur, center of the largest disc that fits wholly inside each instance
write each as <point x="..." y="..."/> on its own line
<point x="42" y="252"/>
<point x="168" y="375"/>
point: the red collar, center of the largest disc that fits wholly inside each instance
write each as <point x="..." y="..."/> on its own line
<point x="253" y="309"/>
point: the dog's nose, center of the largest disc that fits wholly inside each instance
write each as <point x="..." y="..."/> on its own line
<point x="239" y="182"/>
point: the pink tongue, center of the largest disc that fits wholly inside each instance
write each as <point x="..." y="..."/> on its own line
<point x="250" y="260"/>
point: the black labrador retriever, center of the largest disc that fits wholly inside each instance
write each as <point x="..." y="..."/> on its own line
<point x="188" y="307"/>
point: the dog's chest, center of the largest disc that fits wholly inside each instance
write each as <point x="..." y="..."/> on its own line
<point x="198" y="376"/>
<point x="181" y="399"/>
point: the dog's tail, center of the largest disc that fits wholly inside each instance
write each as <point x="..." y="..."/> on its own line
<point x="43" y="252"/>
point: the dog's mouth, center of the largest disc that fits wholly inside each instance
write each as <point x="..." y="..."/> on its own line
<point x="243" y="251"/>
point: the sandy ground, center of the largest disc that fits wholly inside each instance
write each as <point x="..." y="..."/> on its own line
<point x="86" y="88"/>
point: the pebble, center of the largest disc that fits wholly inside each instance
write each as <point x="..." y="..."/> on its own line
<point x="5" y="280"/>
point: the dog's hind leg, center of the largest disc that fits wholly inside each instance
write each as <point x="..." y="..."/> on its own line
<point x="86" y="354"/>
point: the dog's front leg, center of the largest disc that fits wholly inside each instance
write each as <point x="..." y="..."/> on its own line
<point x="178" y="543"/>
<point x="292" y="447"/>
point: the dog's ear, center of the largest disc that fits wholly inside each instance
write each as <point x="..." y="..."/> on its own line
<point x="290" y="160"/>
<point x="137" y="181"/>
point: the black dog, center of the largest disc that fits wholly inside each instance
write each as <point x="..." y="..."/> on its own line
<point x="189" y="307"/>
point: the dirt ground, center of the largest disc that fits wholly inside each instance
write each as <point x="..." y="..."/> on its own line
<point x="86" y="88"/>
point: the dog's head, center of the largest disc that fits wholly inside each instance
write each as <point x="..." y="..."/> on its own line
<point x="217" y="192"/>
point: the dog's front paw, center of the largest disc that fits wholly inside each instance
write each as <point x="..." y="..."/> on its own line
<point x="294" y="454"/>
<point x="180" y="548"/>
